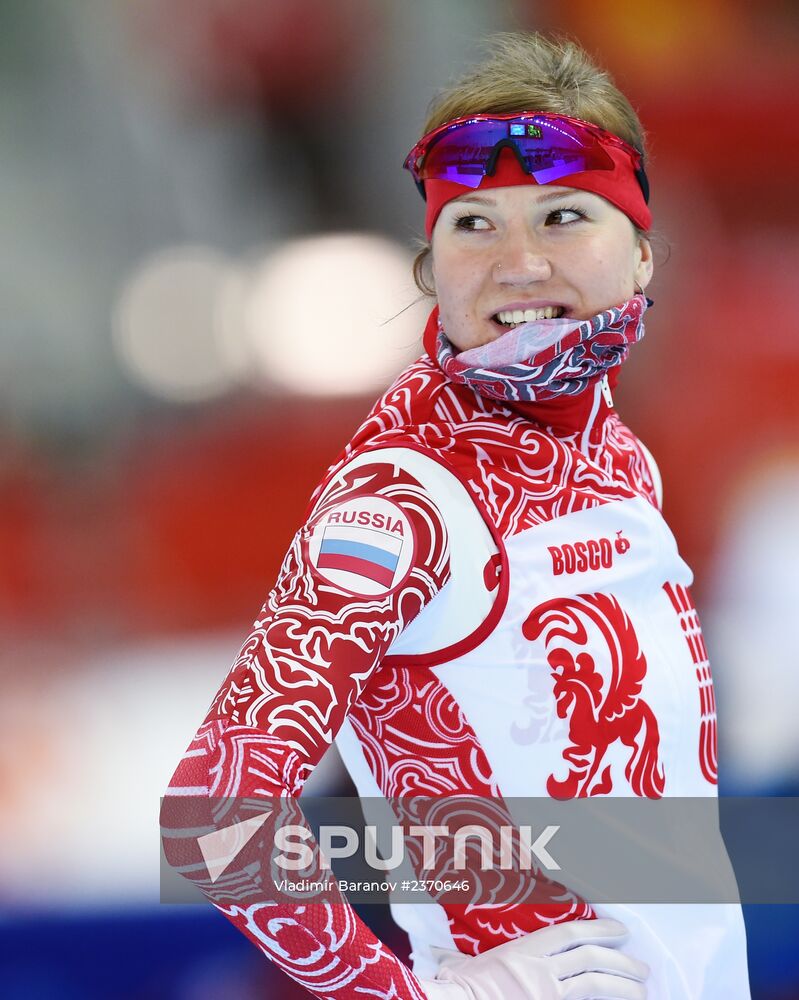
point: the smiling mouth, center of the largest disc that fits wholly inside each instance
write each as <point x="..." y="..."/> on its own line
<point x="515" y="317"/>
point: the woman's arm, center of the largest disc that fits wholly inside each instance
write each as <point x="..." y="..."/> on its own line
<point x="307" y="660"/>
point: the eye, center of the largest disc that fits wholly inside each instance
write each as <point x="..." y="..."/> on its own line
<point x="565" y="216"/>
<point x="471" y="223"/>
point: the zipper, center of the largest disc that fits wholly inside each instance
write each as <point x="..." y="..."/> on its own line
<point x="599" y="390"/>
<point x="606" y="391"/>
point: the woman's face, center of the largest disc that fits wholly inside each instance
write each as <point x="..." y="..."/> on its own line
<point x="502" y="252"/>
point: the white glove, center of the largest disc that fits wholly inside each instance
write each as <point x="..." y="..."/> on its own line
<point x="575" y="960"/>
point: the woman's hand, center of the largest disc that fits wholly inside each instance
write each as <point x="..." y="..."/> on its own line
<point x="577" y="960"/>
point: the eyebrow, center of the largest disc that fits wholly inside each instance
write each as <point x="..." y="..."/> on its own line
<point x="549" y="196"/>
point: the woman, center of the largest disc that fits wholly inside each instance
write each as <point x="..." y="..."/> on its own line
<point x="491" y="496"/>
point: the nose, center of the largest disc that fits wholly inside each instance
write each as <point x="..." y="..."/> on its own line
<point x="521" y="260"/>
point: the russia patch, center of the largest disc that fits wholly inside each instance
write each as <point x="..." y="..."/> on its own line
<point x="364" y="545"/>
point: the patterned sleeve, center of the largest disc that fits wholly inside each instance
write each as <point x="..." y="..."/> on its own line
<point x="372" y="554"/>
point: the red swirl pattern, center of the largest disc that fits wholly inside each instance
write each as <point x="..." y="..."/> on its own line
<point x="683" y="605"/>
<point x="602" y="706"/>
<point x="315" y="656"/>
<point x="522" y="473"/>
<point x="419" y="743"/>
<point x="307" y="661"/>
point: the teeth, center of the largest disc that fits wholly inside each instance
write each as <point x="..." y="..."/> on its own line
<point x="516" y="316"/>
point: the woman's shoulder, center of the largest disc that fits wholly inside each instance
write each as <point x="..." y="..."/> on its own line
<point x="412" y="397"/>
<point x="423" y="402"/>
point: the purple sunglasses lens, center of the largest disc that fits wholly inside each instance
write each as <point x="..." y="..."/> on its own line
<point x="461" y="155"/>
<point x="548" y="151"/>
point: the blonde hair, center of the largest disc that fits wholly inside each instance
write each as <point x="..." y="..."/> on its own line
<point x="529" y="72"/>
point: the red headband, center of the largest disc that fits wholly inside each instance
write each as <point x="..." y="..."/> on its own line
<point x="619" y="186"/>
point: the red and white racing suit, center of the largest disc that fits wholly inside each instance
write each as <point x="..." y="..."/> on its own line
<point x="415" y="620"/>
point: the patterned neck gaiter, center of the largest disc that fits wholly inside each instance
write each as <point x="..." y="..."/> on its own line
<point x="546" y="358"/>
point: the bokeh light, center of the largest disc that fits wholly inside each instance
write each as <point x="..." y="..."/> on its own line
<point x="169" y="329"/>
<point x="322" y="313"/>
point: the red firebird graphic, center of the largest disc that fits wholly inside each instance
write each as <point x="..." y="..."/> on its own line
<point x="601" y="709"/>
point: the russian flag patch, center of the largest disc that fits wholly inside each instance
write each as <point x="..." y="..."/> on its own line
<point x="363" y="545"/>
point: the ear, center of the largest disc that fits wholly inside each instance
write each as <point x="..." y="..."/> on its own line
<point x="644" y="265"/>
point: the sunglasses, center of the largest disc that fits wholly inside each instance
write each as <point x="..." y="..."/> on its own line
<point x="547" y="146"/>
